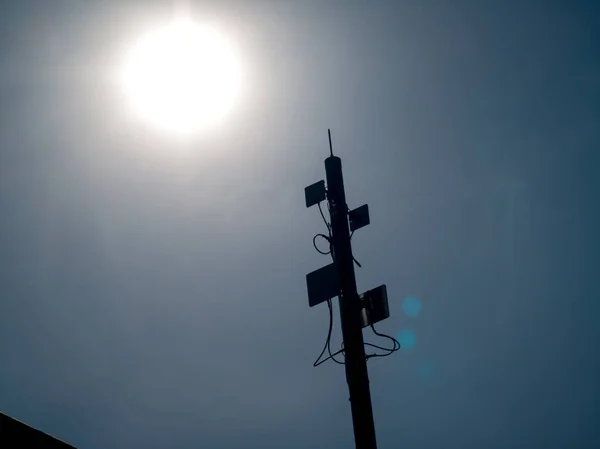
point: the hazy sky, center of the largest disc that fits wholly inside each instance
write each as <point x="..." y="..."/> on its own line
<point x="152" y="291"/>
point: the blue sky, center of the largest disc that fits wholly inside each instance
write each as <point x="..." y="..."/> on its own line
<point x="152" y="291"/>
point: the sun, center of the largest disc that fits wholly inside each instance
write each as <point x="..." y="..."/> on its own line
<point x="181" y="78"/>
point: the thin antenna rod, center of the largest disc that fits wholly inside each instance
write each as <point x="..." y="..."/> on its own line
<point x="330" y="146"/>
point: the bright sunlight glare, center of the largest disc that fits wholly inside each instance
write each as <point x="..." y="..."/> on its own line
<point x="181" y="78"/>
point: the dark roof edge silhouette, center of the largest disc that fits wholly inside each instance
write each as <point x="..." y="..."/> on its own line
<point x="15" y="435"/>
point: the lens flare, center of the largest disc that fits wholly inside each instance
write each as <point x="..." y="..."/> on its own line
<point x="407" y="339"/>
<point x="411" y="306"/>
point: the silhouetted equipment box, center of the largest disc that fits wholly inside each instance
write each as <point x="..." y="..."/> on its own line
<point x="16" y="435"/>
<point x="323" y="284"/>
<point x="374" y="305"/>
<point x="359" y="217"/>
<point x="315" y="193"/>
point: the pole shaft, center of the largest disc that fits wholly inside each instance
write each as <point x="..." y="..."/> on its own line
<point x="356" y="364"/>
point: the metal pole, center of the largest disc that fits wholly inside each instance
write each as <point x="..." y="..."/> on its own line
<point x="356" y="363"/>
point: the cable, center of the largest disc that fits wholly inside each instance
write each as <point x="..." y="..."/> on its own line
<point x="389" y="351"/>
<point x="315" y="244"/>
<point x="371" y="345"/>
<point x="327" y="237"/>
<point x="328" y="342"/>
<point x="385" y="336"/>
<point x="327" y="346"/>
<point x="324" y="219"/>
<point x="319" y="361"/>
<point x="351" y="234"/>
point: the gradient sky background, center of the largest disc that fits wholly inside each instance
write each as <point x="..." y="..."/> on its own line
<point x="152" y="291"/>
